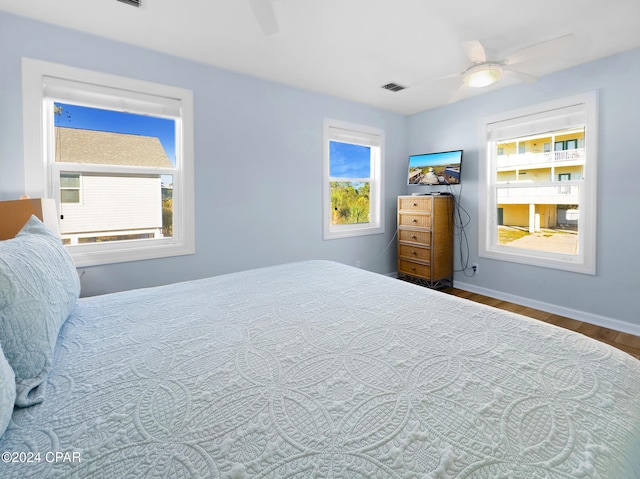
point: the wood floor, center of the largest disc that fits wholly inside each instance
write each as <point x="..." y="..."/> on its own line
<point x="625" y="342"/>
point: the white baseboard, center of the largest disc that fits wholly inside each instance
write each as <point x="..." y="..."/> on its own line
<point x="602" y="321"/>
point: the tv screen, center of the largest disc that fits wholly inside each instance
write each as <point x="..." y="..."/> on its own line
<point x="442" y="168"/>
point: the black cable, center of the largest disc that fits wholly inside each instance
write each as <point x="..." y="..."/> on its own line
<point x="460" y="223"/>
<point x="383" y="251"/>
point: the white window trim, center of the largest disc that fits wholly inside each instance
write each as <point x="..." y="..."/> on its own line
<point x="356" y="134"/>
<point x="585" y="260"/>
<point x="39" y="170"/>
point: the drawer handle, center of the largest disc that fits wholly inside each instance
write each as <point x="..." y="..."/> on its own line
<point x="414" y="220"/>
<point x="414" y="237"/>
<point x="415" y="204"/>
<point x="413" y="252"/>
<point x="413" y="269"/>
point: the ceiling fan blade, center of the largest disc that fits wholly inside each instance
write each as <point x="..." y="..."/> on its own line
<point x="433" y="79"/>
<point x="474" y="51"/>
<point x="520" y="76"/>
<point x="265" y="15"/>
<point x="541" y="49"/>
<point x="442" y="77"/>
<point x="458" y="94"/>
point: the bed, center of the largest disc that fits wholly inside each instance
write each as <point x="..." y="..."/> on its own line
<point x="318" y="370"/>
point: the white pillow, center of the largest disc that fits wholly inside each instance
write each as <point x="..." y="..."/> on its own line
<point x="39" y="287"/>
<point x="7" y="392"/>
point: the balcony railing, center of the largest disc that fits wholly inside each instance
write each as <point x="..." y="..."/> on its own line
<point x="540" y="159"/>
<point x="561" y="194"/>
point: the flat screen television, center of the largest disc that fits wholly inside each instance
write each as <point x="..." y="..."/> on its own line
<point x="442" y="168"/>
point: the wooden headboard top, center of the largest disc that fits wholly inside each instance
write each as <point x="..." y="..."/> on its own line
<point x="15" y="213"/>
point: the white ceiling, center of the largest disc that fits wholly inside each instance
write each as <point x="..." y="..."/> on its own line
<point x="350" y="48"/>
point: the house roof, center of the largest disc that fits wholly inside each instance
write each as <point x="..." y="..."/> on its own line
<point x="75" y="145"/>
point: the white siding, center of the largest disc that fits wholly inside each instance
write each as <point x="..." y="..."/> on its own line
<point x="113" y="203"/>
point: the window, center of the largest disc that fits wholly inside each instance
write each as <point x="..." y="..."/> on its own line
<point x="352" y="180"/>
<point x="70" y="188"/>
<point x="117" y="155"/>
<point x="538" y="200"/>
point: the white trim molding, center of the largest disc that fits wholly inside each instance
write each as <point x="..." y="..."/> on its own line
<point x="577" y="113"/>
<point x="584" y="316"/>
<point x="44" y="83"/>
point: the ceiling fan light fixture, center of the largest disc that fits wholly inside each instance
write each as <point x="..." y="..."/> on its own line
<point x="480" y="76"/>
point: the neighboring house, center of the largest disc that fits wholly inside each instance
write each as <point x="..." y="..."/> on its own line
<point x="97" y="204"/>
<point x="550" y="160"/>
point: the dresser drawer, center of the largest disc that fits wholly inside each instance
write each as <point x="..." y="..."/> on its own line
<point x="415" y="204"/>
<point x="414" y="252"/>
<point x="417" y="221"/>
<point x="414" y="269"/>
<point x="413" y="236"/>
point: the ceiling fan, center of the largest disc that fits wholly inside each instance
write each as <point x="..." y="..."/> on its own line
<point x="484" y="72"/>
<point x="265" y="15"/>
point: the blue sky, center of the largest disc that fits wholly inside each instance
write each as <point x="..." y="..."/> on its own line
<point x="349" y="161"/>
<point x="432" y="159"/>
<point x="118" y="122"/>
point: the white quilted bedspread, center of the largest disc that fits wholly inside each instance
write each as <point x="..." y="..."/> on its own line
<point x="318" y="370"/>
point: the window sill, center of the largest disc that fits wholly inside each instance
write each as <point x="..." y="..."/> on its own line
<point x="347" y="231"/>
<point x="553" y="261"/>
<point x="96" y="255"/>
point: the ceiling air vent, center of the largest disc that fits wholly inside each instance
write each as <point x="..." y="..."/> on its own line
<point x="134" y="3"/>
<point x="393" y="87"/>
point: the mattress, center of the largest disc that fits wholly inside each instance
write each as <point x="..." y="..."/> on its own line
<point x="320" y="370"/>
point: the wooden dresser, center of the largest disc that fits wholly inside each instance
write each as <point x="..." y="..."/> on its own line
<point x="425" y="240"/>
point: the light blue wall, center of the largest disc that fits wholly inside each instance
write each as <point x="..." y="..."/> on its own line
<point x="612" y="293"/>
<point x="276" y="132"/>
<point x="273" y="215"/>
